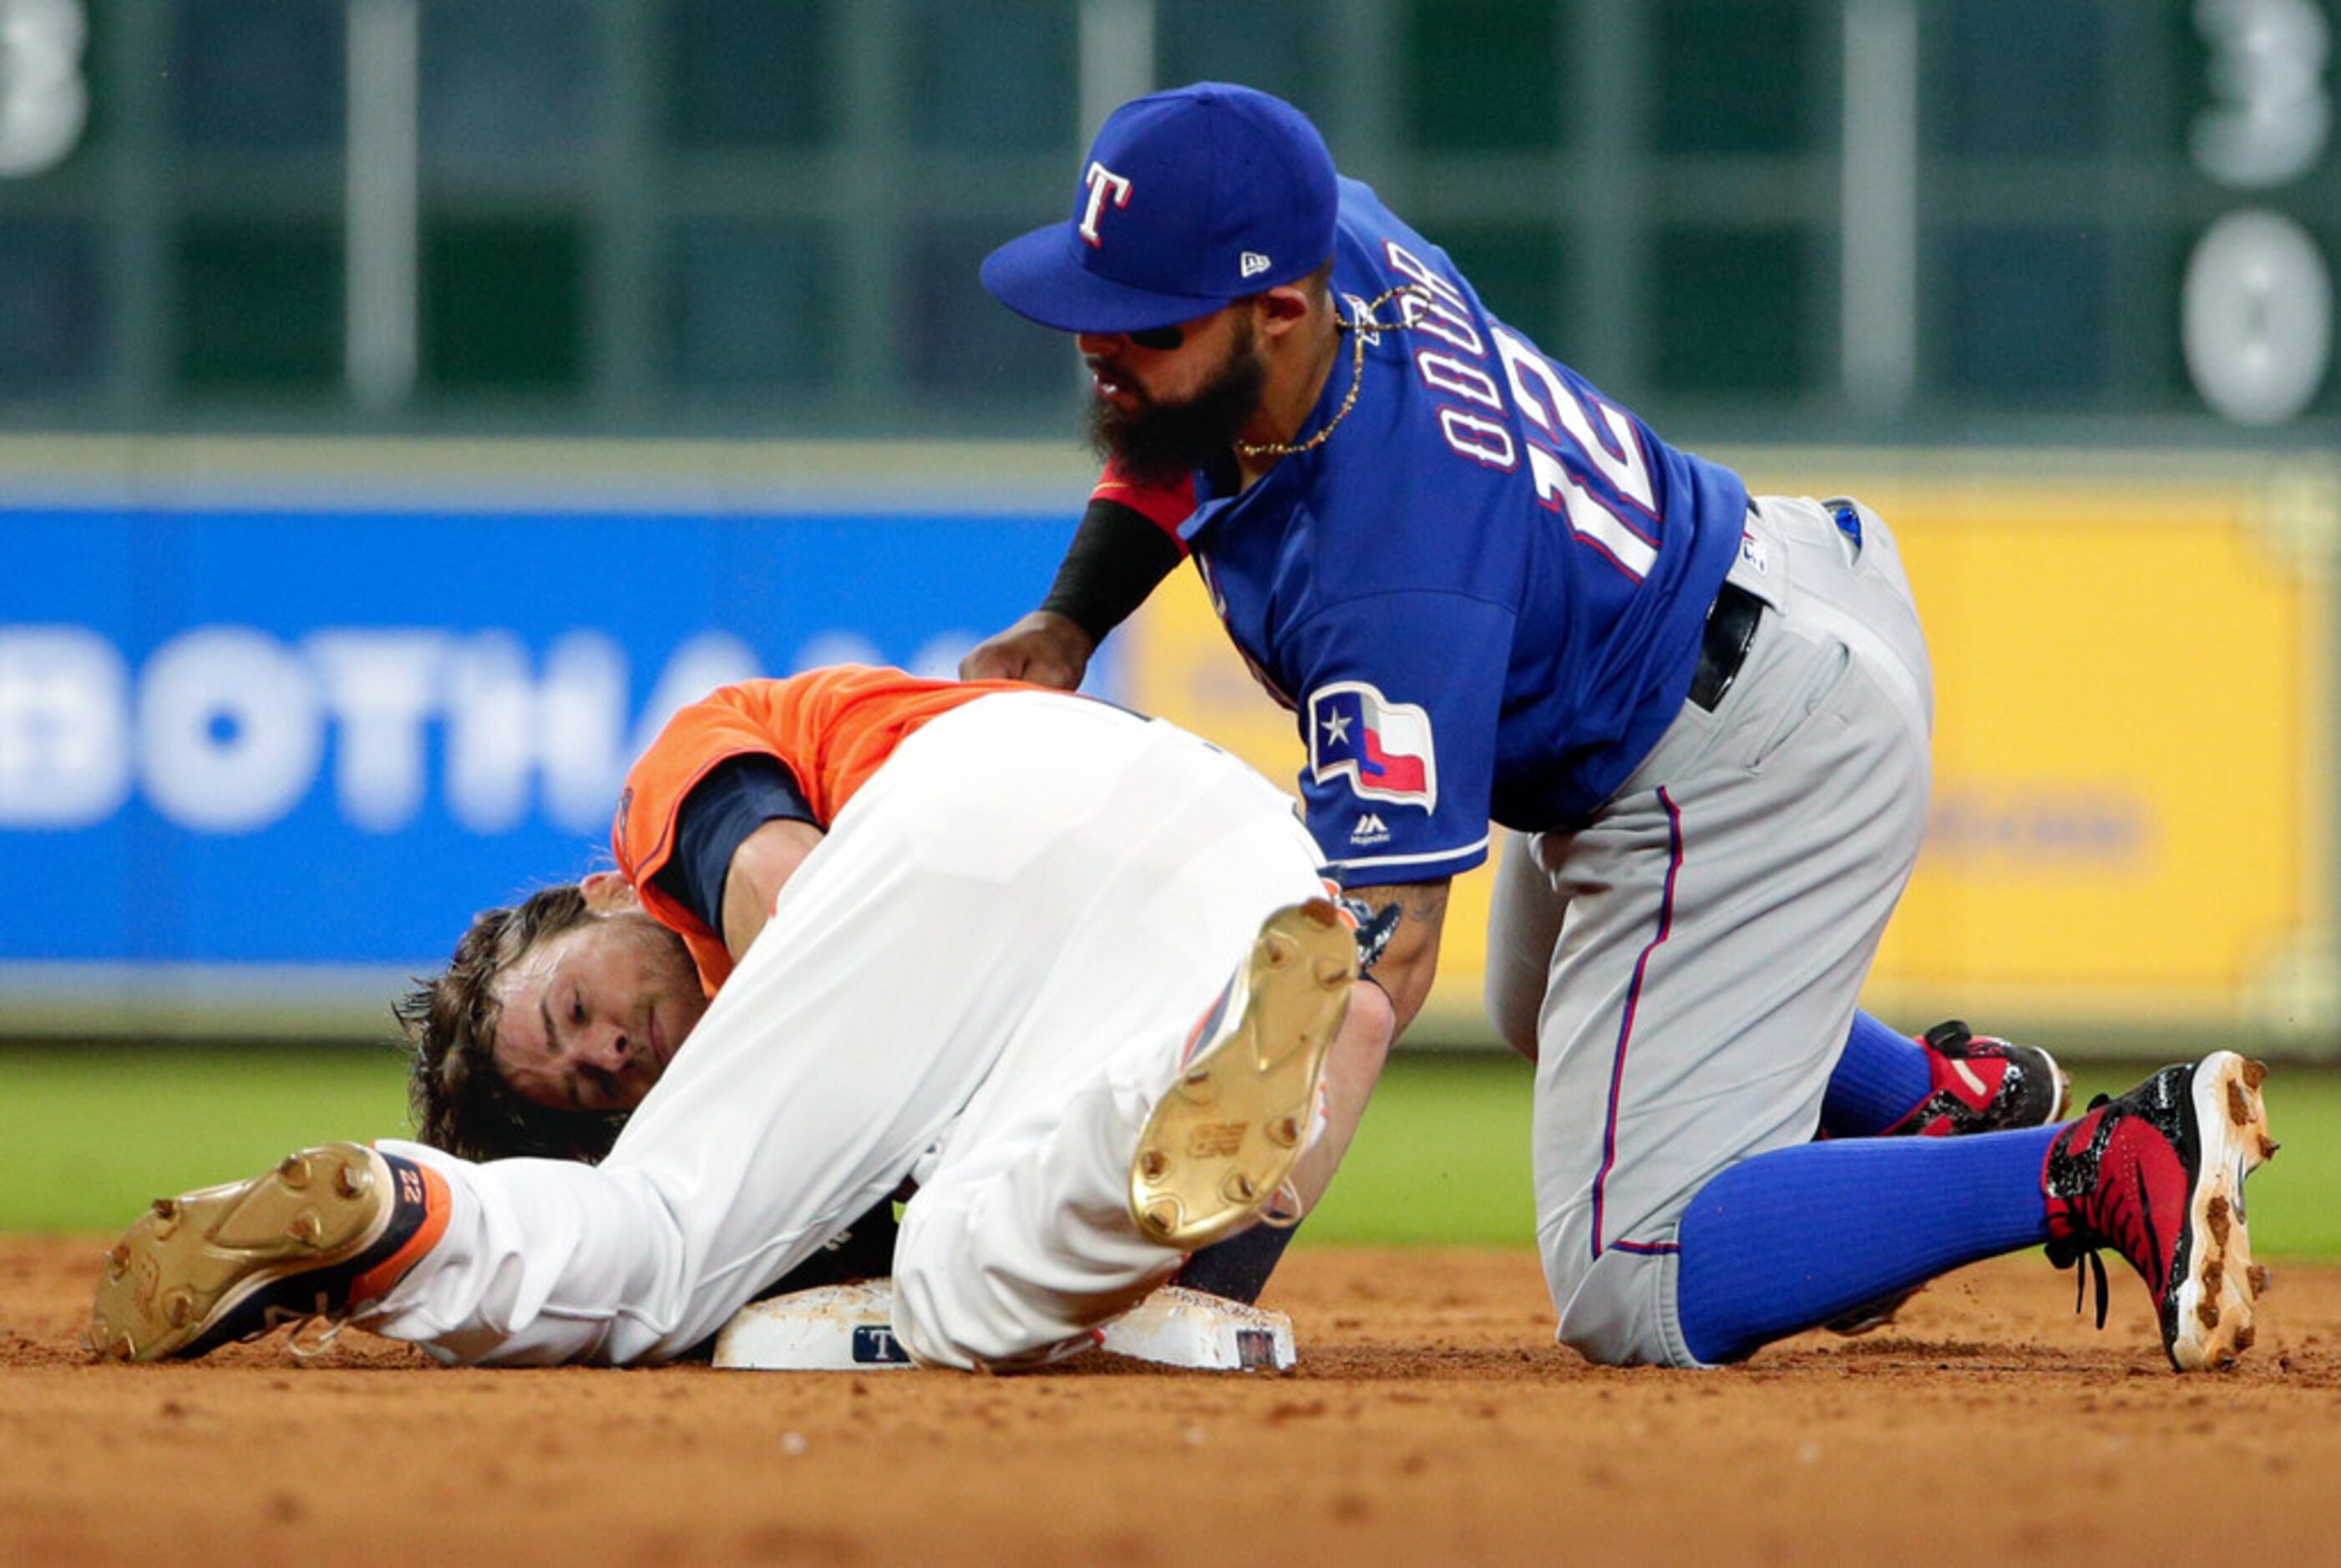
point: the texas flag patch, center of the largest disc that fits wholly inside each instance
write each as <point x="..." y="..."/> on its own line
<point x="1382" y="748"/>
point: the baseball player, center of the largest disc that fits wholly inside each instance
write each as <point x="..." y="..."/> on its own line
<point x="975" y="938"/>
<point x="1490" y="592"/>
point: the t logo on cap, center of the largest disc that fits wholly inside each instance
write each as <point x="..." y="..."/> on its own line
<point x="1101" y="181"/>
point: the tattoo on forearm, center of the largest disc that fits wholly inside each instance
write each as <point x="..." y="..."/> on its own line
<point x="1422" y="904"/>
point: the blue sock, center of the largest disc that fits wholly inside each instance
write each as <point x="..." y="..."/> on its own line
<point x="1879" y="1079"/>
<point x="1795" y="1237"/>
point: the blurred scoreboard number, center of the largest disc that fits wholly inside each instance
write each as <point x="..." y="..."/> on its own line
<point x="2257" y="306"/>
<point x="43" y="96"/>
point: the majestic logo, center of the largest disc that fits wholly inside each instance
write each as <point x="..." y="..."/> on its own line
<point x="1103" y="183"/>
<point x="1370" y="829"/>
<point x="1382" y="748"/>
<point x="1253" y="263"/>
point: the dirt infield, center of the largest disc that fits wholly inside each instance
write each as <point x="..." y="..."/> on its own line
<point x="1433" y="1420"/>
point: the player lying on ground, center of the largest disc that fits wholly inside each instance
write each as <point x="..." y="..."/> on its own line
<point x="1002" y="974"/>
<point x="712" y="823"/>
<point x="1488" y="592"/>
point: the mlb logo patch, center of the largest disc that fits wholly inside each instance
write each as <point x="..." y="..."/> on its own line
<point x="1382" y="748"/>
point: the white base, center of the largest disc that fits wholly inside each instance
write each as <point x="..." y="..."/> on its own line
<point x="1180" y="1327"/>
<point x="829" y="1328"/>
<point x="850" y="1328"/>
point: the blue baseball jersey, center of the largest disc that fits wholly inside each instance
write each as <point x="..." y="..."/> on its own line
<point x="1483" y="596"/>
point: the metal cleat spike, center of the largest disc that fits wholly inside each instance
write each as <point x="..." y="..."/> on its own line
<point x="1161" y="1217"/>
<point x="308" y="1228"/>
<point x="2207" y="1315"/>
<point x="354" y="1180"/>
<point x="2217" y="1216"/>
<point x="2259" y="1278"/>
<point x="1239" y="1187"/>
<point x="293" y="1171"/>
<point x="177" y="1307"/>
<point x="1152" y="1164"/>
<point x="118" y="1259"/>
<point x="2269" y="1146"/>
<point x="123" y="1350"/>
<point x="1284" y="1132"/>
<point x="2255" y="1074"/>
<point x="2246" y="1336"/>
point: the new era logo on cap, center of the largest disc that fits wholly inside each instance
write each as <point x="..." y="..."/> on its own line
<point x="1254" y="264"/>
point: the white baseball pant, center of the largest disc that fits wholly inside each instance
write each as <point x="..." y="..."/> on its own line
<point x="980" y="979"/>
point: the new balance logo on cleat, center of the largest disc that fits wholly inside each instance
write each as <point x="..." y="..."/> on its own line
<point x="1217" y="1140"/>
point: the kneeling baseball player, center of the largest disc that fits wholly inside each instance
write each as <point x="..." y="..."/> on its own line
<point x="1488" y="591"/>
<point x="973" y="937"/>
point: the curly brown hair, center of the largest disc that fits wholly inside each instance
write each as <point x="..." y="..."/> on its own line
<point x="459" y="1101"/>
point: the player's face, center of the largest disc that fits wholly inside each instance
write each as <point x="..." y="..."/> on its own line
<point x="1162" y="413"/>
<point x="590" y="1020"/>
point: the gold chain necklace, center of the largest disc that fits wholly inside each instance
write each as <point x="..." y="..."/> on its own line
<point x="1359" y="329"/>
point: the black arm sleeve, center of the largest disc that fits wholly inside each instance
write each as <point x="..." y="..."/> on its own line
<point x="1116" y="557"/>
<point x="738" y="796"/>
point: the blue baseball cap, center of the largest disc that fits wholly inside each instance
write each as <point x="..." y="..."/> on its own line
<point x="1187" y="199"/>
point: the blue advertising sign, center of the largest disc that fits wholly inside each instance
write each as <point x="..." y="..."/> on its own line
<point x="279" y="738"/>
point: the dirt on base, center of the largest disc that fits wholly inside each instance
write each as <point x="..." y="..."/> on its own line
<point x="1432" y="1420"/>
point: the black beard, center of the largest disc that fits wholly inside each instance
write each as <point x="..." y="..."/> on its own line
<point x="1159" y="443"/>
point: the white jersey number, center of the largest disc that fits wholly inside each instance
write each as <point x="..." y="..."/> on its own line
<point x="1624" y="530"/>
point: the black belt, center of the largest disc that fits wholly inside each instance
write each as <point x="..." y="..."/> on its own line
<point x="1730" y="628"/>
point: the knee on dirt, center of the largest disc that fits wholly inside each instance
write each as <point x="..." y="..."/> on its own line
<point x="1616" y="1310"/>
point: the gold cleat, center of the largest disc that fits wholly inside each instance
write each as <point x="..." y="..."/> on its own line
<point x="1216" y="1151"/>
<point x="230" y="1262"/>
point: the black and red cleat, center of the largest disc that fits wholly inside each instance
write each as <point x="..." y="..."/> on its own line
<point x="327" y="1229"/>
<point x="1982" y="1085"/>
<point x="2158" y="1176"/>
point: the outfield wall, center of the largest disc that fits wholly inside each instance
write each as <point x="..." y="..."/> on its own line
<point x="276" y="718"/>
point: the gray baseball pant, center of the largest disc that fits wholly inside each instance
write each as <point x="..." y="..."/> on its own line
<point x="1693" y="957"/>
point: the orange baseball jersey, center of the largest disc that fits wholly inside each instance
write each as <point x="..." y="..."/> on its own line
<point x="832" y="728"/>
